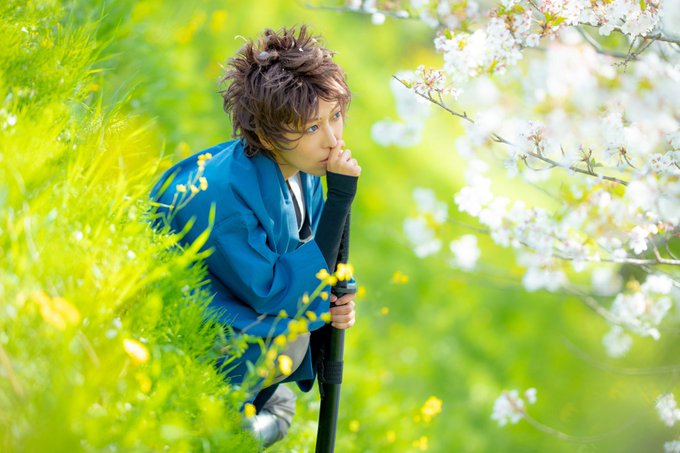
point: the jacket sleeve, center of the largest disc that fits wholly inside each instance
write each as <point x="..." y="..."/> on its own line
<point x="267" y="281"/>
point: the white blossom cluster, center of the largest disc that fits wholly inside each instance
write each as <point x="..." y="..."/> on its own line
<point x="465" y="252"/>
<point x="421" y="229"/>
<point x="421" y="232"/>
<point x="487" y="50"/>
<point x="432" y="83"/>
<point x="617" y="342"/>
<point x="517" y="25"/>
<point x="672" y="446"/>
<point x="597" y="220"/>
<point x="510" y="406"/>
<point x="630" y="16"/>
<point x="446" y="13"/>
<point x="642" y="311"/>
<point x="667" y="409"/>
<point x="412" y="111"/>
<point x="516" y="225"/>
<point x="546" y="241"/>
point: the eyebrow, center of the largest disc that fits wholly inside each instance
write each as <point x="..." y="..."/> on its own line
<point x="336" y="106"/>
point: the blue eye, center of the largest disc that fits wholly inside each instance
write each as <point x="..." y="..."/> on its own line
<point x="337" y="115"/>
<point x="312" y="128"/>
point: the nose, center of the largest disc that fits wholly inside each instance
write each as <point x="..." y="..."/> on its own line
<point x="330" y="138"/>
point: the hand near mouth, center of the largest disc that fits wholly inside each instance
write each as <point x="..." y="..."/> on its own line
<point x="340" y="161"/>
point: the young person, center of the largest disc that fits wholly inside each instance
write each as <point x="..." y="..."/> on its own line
<point x="272" y="230"/>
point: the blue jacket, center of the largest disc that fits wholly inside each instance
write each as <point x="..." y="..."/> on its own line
<point x="258" y="265"/>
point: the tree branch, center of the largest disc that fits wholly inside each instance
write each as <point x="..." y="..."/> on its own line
<point x="661" y="37"/>
<point x="362" y="11"/>
<point x="574" y="168"/>
<point x="575" y="439"/>
<point x="561" y="435"/>
<point x="498" y="139"/>
<point x="669" y="369"/>
<point x="435" y="101"/>
<point x="597" y="46"/>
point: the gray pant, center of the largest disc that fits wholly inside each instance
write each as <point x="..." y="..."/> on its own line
<point x="271" y="424"/>
<point x="296" y="351"/>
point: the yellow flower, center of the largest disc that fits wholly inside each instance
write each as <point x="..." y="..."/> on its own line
<point x="184" y="149"/>
<point x="282" y="314"/>
<point x="249" y="410"/>
<point x="324" y="296"/>
<point x="270" y="356"/>
<point x="217" y="20"/>
<point x="399" y="279"/>
<point x="305" y="299"/>
<point x="326" y="278"/>
<point x="326" y="317"/>
<point x="384" y="311"/>
<point x="203" y="182"/>
<point x="344" y="272"/>
<point x="204" y="157"/>
<point x="56" y="311"/>
<point x="194" y="189"/>
<point x="361" y="291"/>
<point x="421" y="443"/>
<point x="280" y="341"/>
<point x="136" y="350"/>
<point x="297" y="326"/>
<point x="181" y="188"/>
<point x="311" y="315"/>
<point x="432" y="407"/>
<point x="285" y="364"/>
<point x="144" y="382"/>
<point x="354" y="426"/>
<point x="391" y="436"/>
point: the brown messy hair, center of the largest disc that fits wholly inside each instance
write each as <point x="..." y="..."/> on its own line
<point x="274" y="86"/>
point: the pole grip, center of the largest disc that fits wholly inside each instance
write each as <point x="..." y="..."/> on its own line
<point x="331" y="363"/>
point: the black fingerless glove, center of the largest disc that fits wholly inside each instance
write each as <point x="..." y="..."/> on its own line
<point x="341" y="191"/>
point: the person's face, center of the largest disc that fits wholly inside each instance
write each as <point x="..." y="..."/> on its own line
<point x="320" y="136"/>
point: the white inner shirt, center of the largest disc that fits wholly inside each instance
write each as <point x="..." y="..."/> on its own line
<point x="295" y="183"/>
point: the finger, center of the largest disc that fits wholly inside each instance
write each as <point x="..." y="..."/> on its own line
<point x="339" y="302"/>
<point x="343" y="325"/>
<point x="345" y="301"/>
<point x="341" y="310"/>
<point x="334" y="298"/>
<point x="344" y="319"/>
<point x="336" y="156"/>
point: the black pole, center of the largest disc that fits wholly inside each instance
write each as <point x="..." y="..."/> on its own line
<point x="330" y="366"/>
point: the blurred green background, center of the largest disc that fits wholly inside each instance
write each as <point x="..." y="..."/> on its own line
<point x="460" y="337"/>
